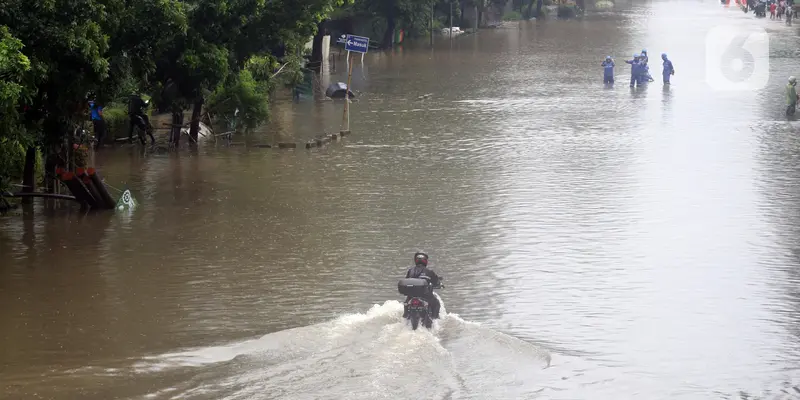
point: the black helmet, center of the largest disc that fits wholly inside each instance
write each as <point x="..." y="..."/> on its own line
<point x="420" y="258"/>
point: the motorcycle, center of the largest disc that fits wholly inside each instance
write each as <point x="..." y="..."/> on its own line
<point x="140" y="120"/>
<point x="416" y="307"/>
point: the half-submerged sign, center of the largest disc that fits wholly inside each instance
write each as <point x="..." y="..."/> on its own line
<point x="358" y="44"/>
<point x="126" y="201"/>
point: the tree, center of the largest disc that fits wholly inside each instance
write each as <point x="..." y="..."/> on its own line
<point x="408" y="14"/>
<point x="70" y="49"/>
<point x="223" y="36"/>
<point x="13" y="136"/>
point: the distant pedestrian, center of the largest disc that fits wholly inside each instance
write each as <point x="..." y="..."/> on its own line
<point x="772" y="9"/>
<point x="98" y="121"/>
<point x="608" y="70"/>
<point x="669" y="70"/>
<point x="636" y="70"/>
<point x="791" y="96"/>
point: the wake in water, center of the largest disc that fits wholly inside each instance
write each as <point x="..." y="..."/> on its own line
<point x="374" y="355"/>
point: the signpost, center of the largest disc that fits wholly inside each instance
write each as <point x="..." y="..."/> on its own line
<point x="358" y="44"/>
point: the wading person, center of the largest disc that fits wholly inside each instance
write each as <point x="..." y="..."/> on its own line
<point x="791" y="96"/>
<point x="98" y="122"/>
<point x="608" y="70"/>
<point x="669" y="70"/>
<point x="635" y="70"/>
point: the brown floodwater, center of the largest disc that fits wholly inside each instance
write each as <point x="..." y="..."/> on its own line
<point x="597" y="243"/>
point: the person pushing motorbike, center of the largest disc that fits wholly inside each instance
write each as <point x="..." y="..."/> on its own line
<point x="421" y="270"/>
<point x="138" y="118"/>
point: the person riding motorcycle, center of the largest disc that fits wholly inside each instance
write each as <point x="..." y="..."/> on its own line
<point x="420" y="269"/>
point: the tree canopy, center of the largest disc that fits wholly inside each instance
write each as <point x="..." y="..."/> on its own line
<point x="54" y="52"/>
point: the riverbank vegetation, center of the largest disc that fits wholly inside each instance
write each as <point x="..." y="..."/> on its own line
<point x="212" y="57"/>
<point x="53" y="53"/>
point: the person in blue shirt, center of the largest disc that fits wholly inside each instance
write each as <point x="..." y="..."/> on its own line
<point x="608" y="70"/>
<point x="97" y="121"/>
<point x="636" y="70"/>
<point x="668" y="69"/>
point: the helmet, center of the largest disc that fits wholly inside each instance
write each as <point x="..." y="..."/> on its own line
<point x="644" y="51"/>
<point x="636" y="56"/>
<point x="663" y="55"/>
<point x="420" y="258"/>
<point x="608" y="57"/>
<point x="792" y="80"/>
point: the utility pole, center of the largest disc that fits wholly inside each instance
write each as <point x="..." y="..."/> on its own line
<point x="431" y="24"/>
<point x="451" y="20"/>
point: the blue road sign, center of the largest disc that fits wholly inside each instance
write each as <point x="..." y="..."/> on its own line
<point x="358" y="44"/>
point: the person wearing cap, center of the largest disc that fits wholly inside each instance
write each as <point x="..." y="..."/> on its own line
<point x="608" y="70"/>
<point x="98" y="122"/>
<point x="636" y="70"/>
<point x="668" y="68"/>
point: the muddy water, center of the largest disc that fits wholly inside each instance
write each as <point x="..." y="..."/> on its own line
<point x="597" y="243"/>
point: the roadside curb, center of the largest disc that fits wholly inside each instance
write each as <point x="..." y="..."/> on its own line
<point x="319" y="141"/>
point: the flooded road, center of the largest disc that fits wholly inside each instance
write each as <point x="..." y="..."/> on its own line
<point x="596" y="243"/>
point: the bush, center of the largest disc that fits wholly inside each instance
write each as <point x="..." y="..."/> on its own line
<point x="603" y="5"/>
<point x="12" y="164"/>
<point x="12" y="161"/>
<point x="512" y="16"/>
<point x="247" y="94"/>
<point x="116" y="116"/>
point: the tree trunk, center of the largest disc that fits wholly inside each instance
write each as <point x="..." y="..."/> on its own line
<point x="461" y="16"/>
<point x="539" y="4"/>
<point x="29" y="174"/>
<point x="391" y="25"/>
<point x="316" y="49"/>
<point x="196" y="111"/>
<point x="528" y="14"/>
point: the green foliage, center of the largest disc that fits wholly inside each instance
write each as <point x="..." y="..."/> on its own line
<point x="241" y="92"/>
<point x="117" y="122"/>
<point x="512" y="16"/>
<point x="604" y="4"/>
<point x="53" y="52"/>
<point x="13" y="67"/>
<point x="12" y="158"/>
<point x="12" y="162"/>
